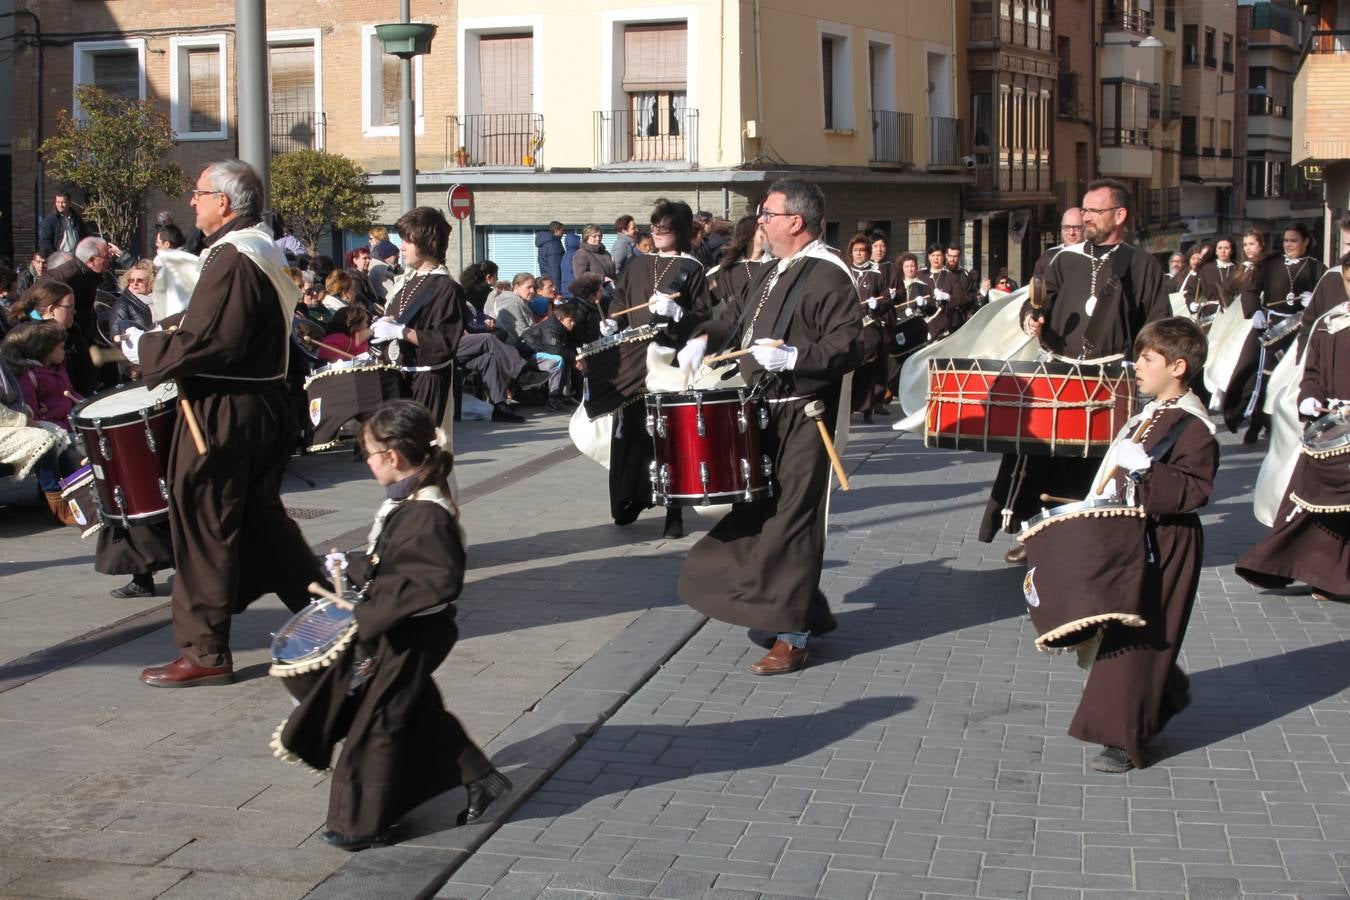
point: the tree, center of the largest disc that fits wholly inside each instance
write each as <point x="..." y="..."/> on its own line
<point x="315" y="192"/>
<point x="116" y="152"/>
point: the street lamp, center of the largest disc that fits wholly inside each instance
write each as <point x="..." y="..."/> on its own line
<point x="405" y="40"/>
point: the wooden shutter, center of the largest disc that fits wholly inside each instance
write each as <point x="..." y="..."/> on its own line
<point x="506" y="73"/>
<point x="118" y="72"/>
<point x="391" y="81"/>
<point x="655" y="57"/>
<point x="203" y="65"/>
<point x="293" y="78"/>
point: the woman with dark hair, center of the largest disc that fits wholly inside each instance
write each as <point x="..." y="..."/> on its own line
<point x="740" y="261"/>
<point x="945" y="293"/>
<point x="1218" y="274"/>
<point x="400" y="745"/>
<point x="671" y="284"/>
<point x="1279" y="289"/>
<point x="891" y="277"/>
<point x="54" y="300"/>
<point x="592" y="257"/>
<point x="869" y="379"/>
<point x="1187" y="281"/>
<point x="424" y="318"/>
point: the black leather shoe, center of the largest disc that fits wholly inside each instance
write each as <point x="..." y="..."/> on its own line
<point x="674" y="523"/>
<point x="481" y="794"/>
<point x="1112" y="761"/>
<point x="1016" y="556"/>
<point x="353" y="844"/>
<point x="133" y="589"/>
<point x="555" y="404"/>
<point x="502" y="413"/>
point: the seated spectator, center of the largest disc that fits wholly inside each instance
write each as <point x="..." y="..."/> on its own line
<point x="37" y="355"/>
<point x="545" y="292"/>
<point x="349" y="331"/>
<point x="586" y="308"/>
<point x="340" y="291"/>
<point x="37" y="266"/>
<point x="552" y="342"/>
<point x="54" y="301"/>
<point x="383" y="268"/>
<point x="511" y="308"/>
<point x="134" y="304"/>
<point x="311" y="300"/>
<point x="30" y="445"/>
<point x="645" y="243"/>
<point x="357" y="264"/>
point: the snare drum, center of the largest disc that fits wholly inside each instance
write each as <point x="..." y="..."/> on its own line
<point x="1321" y="482"/>
<point x="636" y="335"/>
<point x="1281" y="330"/>
<point x="616" y="369"/>
<point x="126" y="434"/>
<point x="77" y="490"/>
<point x="707" y="447"/>
<point x="346" y="392"/>
<point x="1086" y="564"/>
<point x="1052" y="407"/>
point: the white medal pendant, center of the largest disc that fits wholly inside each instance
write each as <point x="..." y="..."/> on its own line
<point x="1091" y="304"/>
<point x="1290" y="297"/>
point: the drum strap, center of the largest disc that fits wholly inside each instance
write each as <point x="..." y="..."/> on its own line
<point x="1101" y="318"/>
<point x="784" y="315"/>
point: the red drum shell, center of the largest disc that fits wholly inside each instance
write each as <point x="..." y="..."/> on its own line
<point x="723" y="464"/>
<point x="1044" y="407"/>
<point x="129" y="451"/>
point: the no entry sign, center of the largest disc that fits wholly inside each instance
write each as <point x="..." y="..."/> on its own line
<point x="460" y="201"/>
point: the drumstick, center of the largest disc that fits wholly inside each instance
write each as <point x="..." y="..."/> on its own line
<point x="816" y="409"/>
<point x="328" y="347"/>
<point x="624" y="312"/>
<point x="194" y="427"/>
<point x="1136" y="438"/>
<point x="1049" y="498"/>
<point x="721" y="357"/>
<point x="71" y="396"/>
<point x="319" y="590"/>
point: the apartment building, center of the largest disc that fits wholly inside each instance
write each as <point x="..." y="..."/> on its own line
<point x="1073" y="154"/>
<point x="1208" y="100"/>
<point x="1320" y="133"/>
<point x="1273" y="192"/>
<point x="578" y="113"/>
<point x="707" y="102"/>
<point x="1011" y="62"/>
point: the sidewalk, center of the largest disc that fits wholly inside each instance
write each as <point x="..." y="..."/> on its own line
<point x="923" y="753"/>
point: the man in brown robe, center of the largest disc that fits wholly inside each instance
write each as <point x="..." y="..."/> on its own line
<point x="1097" y="297"/>
<point x="232" y="538"/>
<point x="760" y="565"/>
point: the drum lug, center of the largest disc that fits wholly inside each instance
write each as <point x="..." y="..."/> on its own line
<point x="665" y="484"/>
<point x="763" y="417"/>
<point x="702" y="426"/>
<point x="703" y="475"/>
<point x="652" y="474"/>
<point x="104" y="448"/>
<point x="149" y="434"/>
<point x="120" y="499"/>
<point x="746" y="473"/>
<point x="163" y="485"/>
<point x="651" y="425"/>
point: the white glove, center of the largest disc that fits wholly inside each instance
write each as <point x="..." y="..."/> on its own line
<point x="131" y="339"/>
<point x="386" y="330"/>
<point x="690" y="357"/>
<point x="661" y="305"/>
<point x="1194" y="307"/>
<point x="771" y="358"/>
<point x="1305" y="298"/>
<point x="941" y="295"/>
<point x="1259" y="320"/>
<point x="1311" y="407"/>
<point x="608" y="327"/>
<point x="336" y="560"/>
<point x="1132" y="457"/>
<point x="871" y="302"/>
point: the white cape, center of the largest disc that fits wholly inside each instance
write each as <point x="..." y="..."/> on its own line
<point x="994" y="332"/>
<point x="179" y="271"/>
<point x="1189" y="403"/>
<point x="1226" y="337"/>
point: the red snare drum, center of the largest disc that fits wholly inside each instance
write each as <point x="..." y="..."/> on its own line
<point x="126" y="434"/>
<point x="707" y="447"/>
<point x="1055" y="407"/>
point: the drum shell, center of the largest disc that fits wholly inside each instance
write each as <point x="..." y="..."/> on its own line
<point x="1084" y="572"/>
<point x="707" y="448"/>
<point x="129" y="455"/>
<point x="1053" y="407"/>
<point x="341" y="393"/>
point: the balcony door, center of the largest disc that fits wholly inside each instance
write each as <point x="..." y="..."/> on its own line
<point x="503" y="134"/>
<point x="294" y="122"/>
<point x="655" y="85"/>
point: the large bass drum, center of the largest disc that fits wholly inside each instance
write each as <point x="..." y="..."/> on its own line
<point x="1048" y="407"/>
<point x="126" y="434"/>
<point x="1086" y="565"/>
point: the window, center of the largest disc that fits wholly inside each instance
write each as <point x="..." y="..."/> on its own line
<point x="836" y="72"/>
<point x="1210" y="61"/>
<point x="1189" y="146"/>
<point x="981" y="116"/>
<point x="296" y="87"/>
<point x="1225" y="138"/>
<point x="1190" y="45"/>
<point x="382" y="88"/>
<point x="1207" y="136"/>
<point x="1124" y="114"/>
<point x="1228" y="53"/>
<point x="1154" y="102"/>
<point x="1170" y="15"/>
<point x="655" y="78"/>
<point x="117" y="67"/>
<point x="1265" y="178"/>
<point x="197" y="79"/>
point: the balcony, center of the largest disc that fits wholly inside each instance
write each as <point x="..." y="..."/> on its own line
<point x="944" y="142"/>
<point x="293" y="131"/>
<point x="892" y="138"/>
<point x="495" y="140"/>
<point x="1125" y="153"/>
<point x="1124" y="15"/>
<point x="1320" y="99"/>
<point x="666" y="138"/>
<point x="1258" y="105"/>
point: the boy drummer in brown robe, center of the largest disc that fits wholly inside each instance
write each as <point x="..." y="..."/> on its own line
<point x="1135" y="685"/>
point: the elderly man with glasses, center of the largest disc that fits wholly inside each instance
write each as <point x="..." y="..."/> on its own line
<point x="1070" y="233"/>
<point x="232" y="538"/>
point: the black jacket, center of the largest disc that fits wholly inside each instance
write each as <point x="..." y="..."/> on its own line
<point x="549" y="336"/>
<point x="49" y="231"/>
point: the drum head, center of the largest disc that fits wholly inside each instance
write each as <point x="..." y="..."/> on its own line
<point x="307" y="328"/>
<point x="125" y="402"/>
<point x="312" y="638"/>
<point x="1330" y="432"/>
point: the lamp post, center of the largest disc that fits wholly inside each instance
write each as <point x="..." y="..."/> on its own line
<point x="405" y="40"/>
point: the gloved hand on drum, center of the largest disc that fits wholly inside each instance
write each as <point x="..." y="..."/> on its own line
<point x="1305" y="298"/>
<point x="131" y="340"/>
<point x="661" y="305"/>
<point x="608" y="327"/>
<point x="1032" y="322"/>
<point x="690" y="357"/>
<point x="772" y="356"/>
<point x="940" y="295"/>
<point x="382" y="330"/>
<point x="1132" y="457"/>
<point x="335" y="559"/>
<point x="1311" y="407"/>
<point x="1259" y="320"/>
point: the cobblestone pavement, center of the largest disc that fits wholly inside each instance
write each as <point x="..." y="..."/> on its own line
<point x="923" y="753"/>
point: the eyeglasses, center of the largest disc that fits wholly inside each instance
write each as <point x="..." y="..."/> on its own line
<point x="1071" y="228"/>
<point x="1087" y="210"/>
<point x="763" y="214"/>
<point x="197" y="192"/>
<point x="662" y="229"/>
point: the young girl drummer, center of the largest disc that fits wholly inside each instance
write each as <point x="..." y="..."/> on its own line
<point x="402" y="747"/>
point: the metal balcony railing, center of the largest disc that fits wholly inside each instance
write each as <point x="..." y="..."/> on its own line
<point x="944" y="141"/>
<point x="297" y="131"/>
<point x="892" y="137"/>
<point x="1128" y="16"/>
<point x="664" y="136"/>
<point x="495" y="139"/>
<point x="1258" y="105"/>
<point x="1124" y="137"/>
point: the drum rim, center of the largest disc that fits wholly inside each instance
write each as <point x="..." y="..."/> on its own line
<point x="317" y="659"/>
<point x="1080" y="506"/>
<point x="1331" y="447"/>
<point x="161" y="407"/>
<point x="953" y="364"/>
<point x="711" y="397"/>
